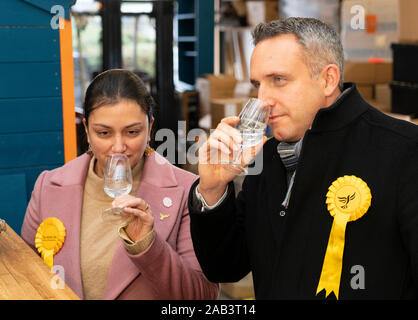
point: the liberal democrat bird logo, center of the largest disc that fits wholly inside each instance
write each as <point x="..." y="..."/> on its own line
<point x="346" y="200"/>
<point x="163" y="216"/>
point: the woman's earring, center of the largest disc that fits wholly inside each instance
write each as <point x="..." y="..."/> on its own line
<point x="148" y="150"/>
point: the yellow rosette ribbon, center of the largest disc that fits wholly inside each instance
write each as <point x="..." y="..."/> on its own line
<point x="348" y="199"/>
<point x="49" y="239"/>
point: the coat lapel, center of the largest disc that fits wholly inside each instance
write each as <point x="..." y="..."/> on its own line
<point x="64" y="200"/>
<point x="65" y="204"/>
<point x="157" y="182"/>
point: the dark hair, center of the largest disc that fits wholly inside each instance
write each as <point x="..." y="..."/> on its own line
<point x="112" y="86"/>
<point x="320" y="42"/>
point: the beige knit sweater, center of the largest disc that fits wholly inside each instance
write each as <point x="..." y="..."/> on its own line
<point x="98" y="239"/>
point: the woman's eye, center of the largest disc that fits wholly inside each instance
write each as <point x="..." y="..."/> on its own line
<point x="102" y="133"/>
<point x="133" y="132"/>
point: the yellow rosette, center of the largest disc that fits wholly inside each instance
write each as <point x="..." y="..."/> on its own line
<point x="348" y="199"/>
<point x="49" y="239"/>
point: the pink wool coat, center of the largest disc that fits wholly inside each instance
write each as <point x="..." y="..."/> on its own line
<point x="167" y="269"/>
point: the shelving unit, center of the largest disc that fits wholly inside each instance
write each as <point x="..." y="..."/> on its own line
<point x="195" y="39"/>
<point x="230" y="54"/>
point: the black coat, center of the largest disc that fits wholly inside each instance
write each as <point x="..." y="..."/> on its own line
<point x="285" y="249"/>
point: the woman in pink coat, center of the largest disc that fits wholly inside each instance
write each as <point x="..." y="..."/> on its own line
<point x="152" y="256"/>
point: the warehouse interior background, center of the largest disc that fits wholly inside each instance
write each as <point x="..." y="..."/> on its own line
<point x="194" y="57"/>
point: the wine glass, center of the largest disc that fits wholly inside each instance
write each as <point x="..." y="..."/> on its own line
<point x="117" y="181"/>
<point x="252" y="125"/>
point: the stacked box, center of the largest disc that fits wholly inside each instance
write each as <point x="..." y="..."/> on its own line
<point x="372" y="80"/>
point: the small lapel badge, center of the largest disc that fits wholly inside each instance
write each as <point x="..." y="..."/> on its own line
<point x="163" y="216"/>
<point x="167" y="202"/>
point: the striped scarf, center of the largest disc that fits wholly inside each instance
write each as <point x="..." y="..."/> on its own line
<point x="289" y="153"/>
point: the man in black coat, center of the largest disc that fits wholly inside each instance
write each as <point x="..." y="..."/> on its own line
<point x="340" y="221"/>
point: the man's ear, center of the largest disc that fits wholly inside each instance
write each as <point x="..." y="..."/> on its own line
<point x="86" y="130"/>
<point x="331" y="78"/>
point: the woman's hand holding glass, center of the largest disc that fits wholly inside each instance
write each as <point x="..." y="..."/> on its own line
<point x="127" y="209"/>
<point x="141" y="219"/>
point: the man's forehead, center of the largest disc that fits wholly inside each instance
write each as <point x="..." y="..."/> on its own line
<point x="276" y="56"/>
<point x="282" y="46"/>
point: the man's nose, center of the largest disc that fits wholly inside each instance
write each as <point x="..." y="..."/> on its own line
<point x="119" y="145"/>
<point x="265" y="95"/>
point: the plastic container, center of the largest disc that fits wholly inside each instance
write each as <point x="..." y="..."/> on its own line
<point x="405" y="98"/>
<point x="405" y="62"/>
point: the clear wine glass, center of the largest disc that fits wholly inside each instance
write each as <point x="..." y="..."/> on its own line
<point x="117" y="181"/>
<point x="252" y="126"/>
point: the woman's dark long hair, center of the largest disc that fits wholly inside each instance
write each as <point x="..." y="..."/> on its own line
<point x="112" y="86"/>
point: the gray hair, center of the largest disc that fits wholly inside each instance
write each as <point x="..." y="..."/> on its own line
<point x="321" y="43"/>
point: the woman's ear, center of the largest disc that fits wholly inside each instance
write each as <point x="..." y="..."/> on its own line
<point x="149" y="129"/>
<point x="331" y="76"/>
<point x="86" y="130"/>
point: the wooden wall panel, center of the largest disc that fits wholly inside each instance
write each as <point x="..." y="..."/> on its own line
<point x="29" y="44"/>
<point x="32" y="79"/>
<point x="31" y="115"/>
<point x="31" y="149"/>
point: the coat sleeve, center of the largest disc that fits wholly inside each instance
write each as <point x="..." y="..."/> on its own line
<point x="175" y="273"/>
<point x="408" y="207"/>
<point x="32" y="218"/>
<point x="219" y="237"/>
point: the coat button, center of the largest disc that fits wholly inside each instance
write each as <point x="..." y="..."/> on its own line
<point x="282" y="213"/>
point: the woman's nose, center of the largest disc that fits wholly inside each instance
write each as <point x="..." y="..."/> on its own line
<point x="119" y="145"/>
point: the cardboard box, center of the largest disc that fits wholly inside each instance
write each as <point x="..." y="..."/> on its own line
<point x="367" y="73"/>
<point x="262" y="11"/>
<point x="380" y="98"/>
<point x="221" y="108"/>
<point x="383" y="96"/>
<point x="407" y="20"/>
<point x="366" y="91"/>
<point x="379" y="106"/>
<point x="212" y="86"/>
